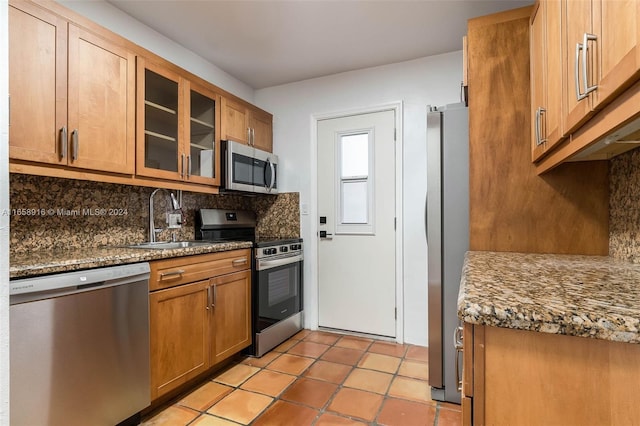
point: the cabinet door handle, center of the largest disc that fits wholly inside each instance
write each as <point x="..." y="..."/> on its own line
<point x="75" y="138"/>
<point x="182" y="167"/>
<point x="249" y="135"/>
<point x="63" y="142"/>
<point x="585" y="56"/>
<point x="188" y="166"/>
<point x="177" y="272"/>
<point x="543" y="125"/>
<point x="457" y="343"/>
<point x="215" y="296"/>
<point x="579" y="95"/>
<point x="538" y="126"/>
<point x="208" y="297"/>
<point x="239" y="262"/>
<point x="253" y="136"/>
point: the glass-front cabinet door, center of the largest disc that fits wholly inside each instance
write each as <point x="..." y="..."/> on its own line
<point x="159" y="108"/>
<point x="178" y="134"/>
<point x="204" y="136"/>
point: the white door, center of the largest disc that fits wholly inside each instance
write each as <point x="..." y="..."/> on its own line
<point x="356" y="206"/>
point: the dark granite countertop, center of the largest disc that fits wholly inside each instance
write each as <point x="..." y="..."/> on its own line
<point x="587" y="296"/>
<point x="48" y="262"/>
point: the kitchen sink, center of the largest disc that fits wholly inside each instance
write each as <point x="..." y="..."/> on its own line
<point x="163" y="245"/>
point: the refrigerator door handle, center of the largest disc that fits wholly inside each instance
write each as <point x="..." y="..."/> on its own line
<point x="426" y="217"/>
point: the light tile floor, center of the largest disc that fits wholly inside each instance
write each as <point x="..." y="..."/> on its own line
<point x="320" y="379"/>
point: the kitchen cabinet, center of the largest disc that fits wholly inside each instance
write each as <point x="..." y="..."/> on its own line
<point x="178" y="136"/>
<point x="231" y="314"/>
<point x="600" y="44"/>
<point x="467" y="375"/>
<point x="564" y="212"/>
<point x="179" y="334"/>
<point x="200" y="313"/>
<point x="549" y="378"/>
<point x="246" y="124"/>
<point x="615" y="54"/>
<point x="71" y="94"/>
<point x="78" y="108"/>
<point x="577" y="25"/>
<point x="546" y="90"/>
<point x="602" y="55"/>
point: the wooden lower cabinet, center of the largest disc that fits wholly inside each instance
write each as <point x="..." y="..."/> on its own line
<point x="231" y="314"/>
<point x="180" y="324"/>
<point x="194" y="326"/>
<point x="531" y="378"/>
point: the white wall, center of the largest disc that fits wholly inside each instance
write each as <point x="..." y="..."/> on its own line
<point x="432" y="80"/>
<point x="4" y="219"/>
<point x="120" y="23"/>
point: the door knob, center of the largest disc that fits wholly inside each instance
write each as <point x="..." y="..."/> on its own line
<point x="325" y="234"/>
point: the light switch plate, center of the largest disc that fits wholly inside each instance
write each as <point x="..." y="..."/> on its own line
<point x="304" y="208"/>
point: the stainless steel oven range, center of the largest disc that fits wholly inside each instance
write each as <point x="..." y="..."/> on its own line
<point x="277" y="310"/>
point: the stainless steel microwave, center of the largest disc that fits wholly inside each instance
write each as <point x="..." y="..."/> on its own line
<point x="248" y="169"/>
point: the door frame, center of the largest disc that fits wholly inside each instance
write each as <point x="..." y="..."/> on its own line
<point x="312" y="319"/>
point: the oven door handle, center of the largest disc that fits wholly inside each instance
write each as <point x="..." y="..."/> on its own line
<point x="274" y="263"/>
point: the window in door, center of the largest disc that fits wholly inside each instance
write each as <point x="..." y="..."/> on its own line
<point x="355" y="181"/>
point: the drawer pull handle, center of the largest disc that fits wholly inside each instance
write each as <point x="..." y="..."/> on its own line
<point x="178" y="272"/>
<point x="239" y="262"/>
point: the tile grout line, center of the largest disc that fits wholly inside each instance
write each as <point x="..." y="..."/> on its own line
<point x="339" y="386"/>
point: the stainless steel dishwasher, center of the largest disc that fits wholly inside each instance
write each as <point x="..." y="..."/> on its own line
<point x="79" y="347"/>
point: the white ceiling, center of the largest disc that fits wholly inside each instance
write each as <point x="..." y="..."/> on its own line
<point x="266" y="42"/>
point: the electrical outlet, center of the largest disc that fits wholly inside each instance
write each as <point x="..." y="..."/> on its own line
<point x="174" y="220"/>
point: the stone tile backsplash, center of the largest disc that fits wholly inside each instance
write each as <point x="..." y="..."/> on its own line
<point x="57" y="214"/>
<point x="624" y="206"/>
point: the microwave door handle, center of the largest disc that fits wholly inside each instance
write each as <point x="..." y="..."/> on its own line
<point x="273" y="174"/>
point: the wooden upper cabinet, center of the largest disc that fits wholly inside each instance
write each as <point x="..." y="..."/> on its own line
<point x="538" y="80"/>
<point x="598" y="42"/>
<point x="617" y="26"/>
<point x="553" y="124"/>
<point x="235" y="121"/>
<point x="37" y="84"/>
<point x="101" y="96"/>
<point x="246" y="124"/>
<point x="577" y="23"/>
<point x="160" y="103"/>
<point x="72" y="94"/>
<point x="546" y="77"/>
<point x="177" y="129"/>
<point x="602" y="54"/>
<point x="231" y="314"/>
<point x="203" y="134"/>
<point x="261" y="125"/>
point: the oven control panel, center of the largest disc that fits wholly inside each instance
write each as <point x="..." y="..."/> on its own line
<point x="279" y="250"/>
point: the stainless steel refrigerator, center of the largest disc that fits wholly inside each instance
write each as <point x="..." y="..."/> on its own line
<point x="447" y="217"/>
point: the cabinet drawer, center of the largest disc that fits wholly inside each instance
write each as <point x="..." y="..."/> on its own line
<point x="182" y="270"/>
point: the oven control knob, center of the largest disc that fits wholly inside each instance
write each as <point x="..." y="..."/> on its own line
<point x="274" y="251"/>
<point x="284" y="249"/>
<point x="266" y="251"/>
<point x="295" y="247"/>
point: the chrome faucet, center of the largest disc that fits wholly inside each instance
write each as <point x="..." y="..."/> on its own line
<point x="152" y="228"/>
